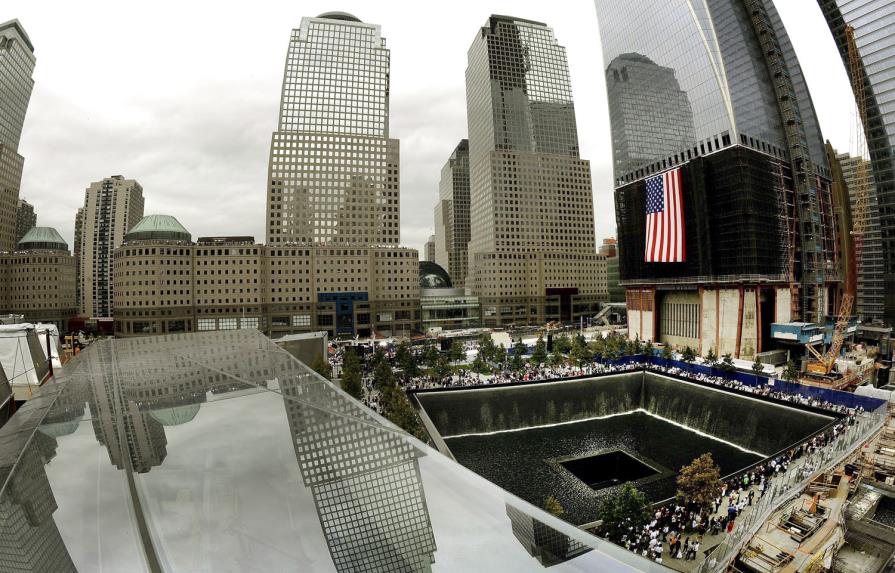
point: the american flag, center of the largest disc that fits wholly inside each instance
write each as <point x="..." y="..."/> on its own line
<point x="664" y="219"/>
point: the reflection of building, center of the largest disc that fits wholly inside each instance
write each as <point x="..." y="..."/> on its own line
<point x="38" y="279"/>
<point x="111" y="207"/>
<point x="452" y="215"/>
<point x="349" y="482"/>
<point x="29" y="538"/>
<point x="873" y="21"/>
<point x="165" y="283"/>
<point x="651" y="115"/>
<point x="547" y="545"/>
<point x="758" y="217"/>
<point x="16" y="67"/>
<point x="25" y="219"/>
<point x="431" y="249"/>
<point x="532" y="256"/>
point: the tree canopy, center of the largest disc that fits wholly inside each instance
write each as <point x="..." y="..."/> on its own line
<point x="623" y="509"/>
<point x="699" y="482"/>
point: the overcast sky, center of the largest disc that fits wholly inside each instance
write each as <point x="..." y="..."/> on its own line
<point x="183" y="96"/>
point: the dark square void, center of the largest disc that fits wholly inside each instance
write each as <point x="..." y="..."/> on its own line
<point x="608" y="469"/>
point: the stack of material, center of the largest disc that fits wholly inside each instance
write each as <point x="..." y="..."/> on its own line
<point x="762" y="558"/>
<point x="824" y="484"/>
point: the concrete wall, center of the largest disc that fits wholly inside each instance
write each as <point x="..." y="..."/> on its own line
<point x="749" y="334"/>
<point x="783" y="306"/>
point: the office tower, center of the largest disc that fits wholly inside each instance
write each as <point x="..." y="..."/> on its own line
<point x="870" y="300"/>
<point x="452" y="215"/>
<point x="25" y="219"/>
<point x="333" y="173"/>
<point x="873" y="22"/>
<point x="735" y="131"/>
<point x="111" y="207"/>
<point x="16" y="83"/>
<point x="532" y="253"/>
<point x="430" y="249"/>
<point x="37" y="280"/>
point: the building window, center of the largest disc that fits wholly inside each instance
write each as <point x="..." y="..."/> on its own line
<point x="227" y="324"/>
<point x="301" y="320"/>
<point x="206" y="324"/>
<point x="384" y="317"/>
<point x="251" y="322"/>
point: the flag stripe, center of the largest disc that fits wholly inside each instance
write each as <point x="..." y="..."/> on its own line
<point x="664" y="228"/>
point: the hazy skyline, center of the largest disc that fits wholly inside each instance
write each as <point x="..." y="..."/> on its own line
<point x="184" y="98"/>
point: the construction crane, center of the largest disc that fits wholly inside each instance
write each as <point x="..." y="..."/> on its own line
<point x="823" y="364"/>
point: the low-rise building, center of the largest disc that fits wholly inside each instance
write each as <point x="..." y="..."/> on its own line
<point x="37" y="280"/>
<point x="166" y="283"/>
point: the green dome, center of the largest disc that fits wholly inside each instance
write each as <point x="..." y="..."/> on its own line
<point x="158" y="227"/>
<point x="42" y="238"/>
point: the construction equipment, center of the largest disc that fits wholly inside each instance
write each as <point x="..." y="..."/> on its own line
<point x="823" y="364"/>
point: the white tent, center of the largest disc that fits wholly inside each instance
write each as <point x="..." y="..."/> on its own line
<point x="24" y="363"/>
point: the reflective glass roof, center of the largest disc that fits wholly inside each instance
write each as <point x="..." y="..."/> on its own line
<point x="221" y="452"/>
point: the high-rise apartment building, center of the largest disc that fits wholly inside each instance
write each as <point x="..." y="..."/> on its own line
<point x="111" y="207"/>
<point x="873" y="22"/>
<point x="532" y="253"/>
<point x="76" y="251"/>
<point x="25" y="219"/>
<point x="717" y="93"/>
<point x="16" y="67"/>
<point x="334" y="172"/>
<point x="452" y="215"/>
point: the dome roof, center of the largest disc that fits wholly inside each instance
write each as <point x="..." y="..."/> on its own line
<point x="158" y="227"/>
<point x="176" y="415"/>
<point x="42" y="238"/>
<point x="433" y="276"/>
<point x="339" y="16"/>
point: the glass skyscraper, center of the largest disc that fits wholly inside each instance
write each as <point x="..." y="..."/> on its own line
<point x="16" y="67"/>
<point x="873" y="22"/>
<point x="713" y="87"/>
<point x="333" y="173"/>
<point x="531" y="208"/>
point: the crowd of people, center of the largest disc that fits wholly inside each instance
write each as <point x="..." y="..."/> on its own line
<point x="676" y="531"/>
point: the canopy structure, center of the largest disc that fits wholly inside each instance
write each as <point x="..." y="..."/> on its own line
<point x="24" y="363"/>
<point x="42" y="331"/>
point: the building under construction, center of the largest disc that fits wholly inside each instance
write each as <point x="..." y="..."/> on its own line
<point x="720" y="96"/>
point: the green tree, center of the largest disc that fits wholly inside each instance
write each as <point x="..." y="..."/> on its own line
<point x="430" y="356"/>
<point x="698" y="484"/>
<point x="378" y="356"/>
<point x="790" y="372"/>
<point x="539" y="354"/>
<point x="518" y="362"/>
<point x="486" y="347"/>
<point x="556" y="358"/>
<point x="406" y="361"/>
<point x="479" y="365"/>
<point x="458" y="353"/>
<point x="322" y="366"/>
<point x="562" y="343"/>
<point x="383" y="375"/>
<point x="598" y="346"/>
<point x="648" y="349"/>
<point x="624" y="509"/>
<point x="667" y="355"/>
<point x="352" y="380"/>
<point x="711" y="358"/>
<point x="499" y="355"/>
<point x="727" y="364"/>
<point x="757" y="368"/>
<point x="397" y="409"/>
<point x="688" y="356"/>
<point x="442" y="368"/>
<point x="635" y="347"/>
<point x="552" y="506"/>
<point x="580" y="353"/>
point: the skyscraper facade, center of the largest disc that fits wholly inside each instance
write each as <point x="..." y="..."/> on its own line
<point x="16" y="67"/>
<point x="873" y="22"/>
<point x="111" y="207"/>
<point x="333" y="173"/>
<point x="452" y="215"/>
<point x="733" y="114"/>
<point x="532" y="253"/>
<point x="25" y="219"/>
